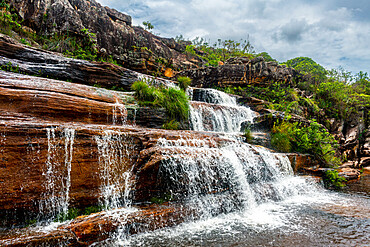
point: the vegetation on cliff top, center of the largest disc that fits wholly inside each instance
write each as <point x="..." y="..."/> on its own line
<point x="320" y="96"/>
<point x="174" y="100"/>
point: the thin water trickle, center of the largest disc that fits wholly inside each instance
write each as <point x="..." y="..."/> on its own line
<point x="57" y="173"/>
<point x="115" y="164"/>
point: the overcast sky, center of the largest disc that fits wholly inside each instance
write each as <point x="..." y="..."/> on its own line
<point x="332" y="32"/>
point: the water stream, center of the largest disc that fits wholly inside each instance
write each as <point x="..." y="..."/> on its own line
<point x="246" y="195"/>
<point x="243" y="195"/>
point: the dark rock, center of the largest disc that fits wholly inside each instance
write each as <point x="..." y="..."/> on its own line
<point x="239" y="72"/>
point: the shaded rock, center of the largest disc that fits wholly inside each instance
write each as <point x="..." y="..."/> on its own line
<point x="302" y="162"/>
<point x="24" y="59"/>
<point x="349" y="173"/>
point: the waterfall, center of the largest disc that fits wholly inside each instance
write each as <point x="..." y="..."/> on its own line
<point x="233" y="177"/>
<point x="57" y="173"/>
<point x="216" y="111"/>
<point x="115" y="163"/>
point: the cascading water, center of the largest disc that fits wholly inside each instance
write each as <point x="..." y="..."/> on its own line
<point x="119" y="115"/>
<point x="57" y="173"/>
<point x="233" y="177"/>
<point x="115" y="164"/>
<point x="245" y="195"/>
<point x="217" y="111"/>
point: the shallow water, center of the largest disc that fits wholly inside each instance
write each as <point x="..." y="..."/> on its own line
<point x="314" y="218"/>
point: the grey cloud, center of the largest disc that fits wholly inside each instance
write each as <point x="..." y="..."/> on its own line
<point x="323" y="30"/>
<point x="293" y="31"/>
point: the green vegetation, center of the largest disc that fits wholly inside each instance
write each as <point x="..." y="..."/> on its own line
<point x="184" y="82"/>
<point x="171" y="125"/>
<point x="333" y="180"/>
<point x="160" y="200"/>
<point x="75" y="212"/>
<point x="219" y="52"/>
<point x="247" y="135"/>
<point x="148" y="25"/>
<point x="306" y="65"/>
<point x="313" y="139"/>
<point x="175" y="101"/>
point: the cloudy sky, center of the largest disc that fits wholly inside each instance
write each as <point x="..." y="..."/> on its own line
<point x="332" y="32"/>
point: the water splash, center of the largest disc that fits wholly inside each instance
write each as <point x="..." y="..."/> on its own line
<point x="115" y="163"/>
<point x="57" y="173"/>
<point x="220" y="180"/>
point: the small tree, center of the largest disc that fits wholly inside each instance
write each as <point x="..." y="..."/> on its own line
<point x="148" y="25"/>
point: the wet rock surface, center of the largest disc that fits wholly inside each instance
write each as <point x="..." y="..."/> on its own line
<point x="87" y="230"/>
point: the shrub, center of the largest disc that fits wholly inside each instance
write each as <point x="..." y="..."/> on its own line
<point x="313" y="139"/>
<point x="248" y="135"/>
<point x="175" y="101"/>
<point x="332" y="179"/>
<point x="184" y="82"/>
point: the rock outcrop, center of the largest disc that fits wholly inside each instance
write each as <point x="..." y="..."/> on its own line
<point x="24" y="59"/>
<point x="134" y="47"/>
<point x="240" y="71"/>
<point x="48" y="121"/>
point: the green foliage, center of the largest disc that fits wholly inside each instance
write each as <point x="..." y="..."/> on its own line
<point x="313" y="139"/>
<point x="219" y="51"/>
<point x="283" y="136"/>
<point x="184" y="82"/>
<point x="247" y="135"/>
<point x="75" y="212"/>
<point x="171" y="125"/>
<point x="306" y="65"/>
<point x="160" y="200"/>
<point x="332" y="179"/>
<point x="148" y="25"/>
<point x="175" y="101"/>
<point x="10" y="67"/>
<point x="266" y="56"/>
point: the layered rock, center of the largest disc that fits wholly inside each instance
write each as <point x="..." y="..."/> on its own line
<point x="240" y="72"/>
<point x="24" y="59"/>
<point x="46" y="123"/>
<point x="114" y="34"/>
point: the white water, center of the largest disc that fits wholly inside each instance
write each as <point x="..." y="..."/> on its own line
<point x="57" y="173"/>
<point x="115" y="164"/>
<point x="219" y="112"/>
<point x="119" y="116"/>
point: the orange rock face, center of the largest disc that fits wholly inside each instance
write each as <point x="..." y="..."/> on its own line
<point x="58" y="137"/>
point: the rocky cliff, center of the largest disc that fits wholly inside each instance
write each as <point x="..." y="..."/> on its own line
<point x="131" y="46"/>
<point x="240" y="72"/>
